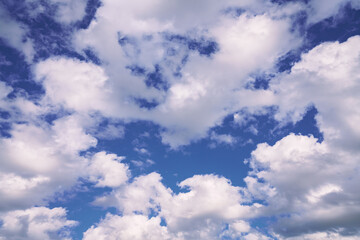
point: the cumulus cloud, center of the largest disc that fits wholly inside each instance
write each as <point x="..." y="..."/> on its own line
<point x="312" y="182"/>
<point x="242" y="229"/>
<point x="40" y="160"/>
<point x="209" y="88"/>
<point x="76" y="85"/>
<point x="184" y="66"/>
<point x="201" y="212"/>
<point x="330" y="69"/>
<point x="106" y="170"/>
<point x="128" y="227"/>
<point x="299" y="179"/>
<point x="35" y="223"/>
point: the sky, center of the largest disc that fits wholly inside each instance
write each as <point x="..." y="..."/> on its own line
<point x="179" y="119"/>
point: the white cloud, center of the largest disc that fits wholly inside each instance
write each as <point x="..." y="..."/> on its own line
<point x="129" y="227"/>
<point x="106" y="170"/>
<point x="242" y="230"/>
<point x="35" y="223"/>
<point x="210" y="88"/>
<point x="142" y="151"/>
<point x="313" y="183"/>
<point x="141" y="195"/>
<point x="330" y="69"/>
<point x="210" y="202"/>
<point x="199" y="213"/>
<point x="142" y="164"/>
<point x="39" y="160"/>
<point x="223" y="138"/>
<point x="305" y="180"/>
<point x="323" y="236"/>
<point x="74" y="84"/>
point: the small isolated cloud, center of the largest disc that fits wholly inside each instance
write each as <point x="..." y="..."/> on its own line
<point x="207" y="204"/>
<point x="143" y="164"/>
<point x="142" y="151"/>
<point x="223" y="138"/>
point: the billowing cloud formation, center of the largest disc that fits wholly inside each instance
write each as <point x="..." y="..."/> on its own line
<point x="298" y="177"/>
<point x="183" y="66"/>
<point x="202" y="212"/>
<point x="34" y="168"/>
<point x="209" y="88"/>
<point x="107" y="171"/>
<point x="35" y="223"/>
<point x="326" y="77"/>
<point x="128" y="227"/>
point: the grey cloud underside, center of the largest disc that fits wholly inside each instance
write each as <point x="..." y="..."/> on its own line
<point x="184" y="66"/>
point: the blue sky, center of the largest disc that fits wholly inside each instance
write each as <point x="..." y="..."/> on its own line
<point x="179" y="119"/>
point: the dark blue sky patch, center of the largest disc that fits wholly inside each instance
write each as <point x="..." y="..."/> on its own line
<point x="287" y="61"/>
<point x="144" y="103"/>
<point x="261" y="81"/>
<point x="4" y="114"/>
<point x="90" y="11"/>
<point x="92" y="57"/>
<point x="5" y="128"/>
<point x="234" y="12"/>
<point x="12" y="64"/>
<point x="205" y="47"/>
<point x="28" y="89"/>
<point x="287" y="1"/>
<point x="337" y="28"/>
<point x="49" y="37"/>
<point x="308" y="125"/>
<point x="299" y="22"/>
<point x="53" y="116"/>
<point x="137" y="70"/>
<point x="156" y="79"/>
<point x="16" y="73"/>
<point x="5" y="125"/>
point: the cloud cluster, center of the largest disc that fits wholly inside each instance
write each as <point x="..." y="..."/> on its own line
<point x="306" y="185"/>
<point x="203" y="211"/>
<point x="210" y="85"/>
<point x="313" y="182"/>
<point x="184" y="66"/>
